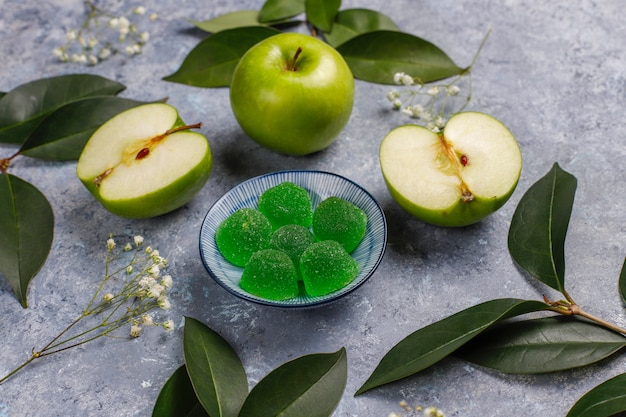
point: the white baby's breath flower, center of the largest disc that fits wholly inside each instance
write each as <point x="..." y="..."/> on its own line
<point x="139" y="10"/>
<point x="129" y="269"/>
<point x="154" y="270"/>
<point x="111" y="243"/>
<point x="58" y="52"/>
<point x="397" y="78"/>
<point x="92" y="43"/>
<point x="155" y="291"/>
<point x="166" y="281"/>
<point x="164" y="303"/>
<point x="144" y="37"/>
<point x="104" y="53"/>
<point x="108" y="297"/>
<point x="127" y="247"/>
<point x="146" y="319"/>
<point x="114" y="22"/>
<point x="407" y="80"/>
<point x="154" y="17"/>
<point x="393" y="95"/>
<point x="453" y="90"/>
<point x="168" y="325"/>
<point x="123" y="22"/>
<point x="70" y="35"/>
<point x="433" y="91"/>
<point x="135" y="330"/>
<point x="138" y="240"/>
<point x="397" y="104"/>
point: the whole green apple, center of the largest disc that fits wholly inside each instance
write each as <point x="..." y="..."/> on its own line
<point x="145" y="162"/>
<point x="292" y="93"/>
<point x="455" y="177"/>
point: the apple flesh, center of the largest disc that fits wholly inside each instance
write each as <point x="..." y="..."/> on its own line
<point x="144" y="162"/>
<point x="456" y="177"/>
<point x="292" y="93"/>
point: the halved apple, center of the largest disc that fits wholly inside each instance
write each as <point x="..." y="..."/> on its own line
<point x="145" y="162"/>
<point x="455" y="177"/>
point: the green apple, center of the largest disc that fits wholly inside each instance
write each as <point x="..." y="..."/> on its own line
<point x="145" y="162"/>
<point x="292" y="93"/>
<point x="455" y="177"/>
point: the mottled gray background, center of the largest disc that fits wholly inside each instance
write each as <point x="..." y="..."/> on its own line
<point x="553" y="72"/>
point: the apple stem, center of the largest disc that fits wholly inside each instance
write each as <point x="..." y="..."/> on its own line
<point x="292" y="64"/>
<point x="186" y="127"/>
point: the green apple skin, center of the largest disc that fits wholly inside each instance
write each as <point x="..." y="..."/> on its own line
<point x="173" y="172"/>
<point x="502" y="159"/>
<point x="293" y="112"/>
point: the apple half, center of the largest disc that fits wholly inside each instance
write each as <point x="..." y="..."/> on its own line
<point x="455" y="177"/>
<point x="144" y="162"/>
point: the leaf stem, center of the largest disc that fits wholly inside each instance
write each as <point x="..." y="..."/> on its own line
<point x="570" y="308"/>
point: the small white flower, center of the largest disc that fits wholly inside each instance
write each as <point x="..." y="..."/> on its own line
<point x="127" y="246"/>
<point x="81" y="40"/>
<point x="392" y="95"/>
<point x="155" y="291"/>
<point x="154" y="270"/>
<point x="154" y="17"/>
<point x="440" y="122"/>
<point x="71" y="35"/>
<point x="92" y="43"/>
<point x="146" y="282"/>
<point x="144" y="37"/>
<point x="433" y="412"/>
<point x="135" y="330"/>
<point x="408" y="111"/>
<point x="140" y="10"/>
<point x="114" y="22"/>
<point x="110" y="242"/>
<point x="166" y="281"/>
<point x="407" y="80"/>
<point x="123" y="22"/>
<point x="146" y="319"/>
<point x="104" y="53"/>
<point x="453" y="90"/>
<point x="164" y="303"/>
<point x="138" y="240"/>
<point x="397" y="104"/>
<point x="107" y="297"/>
<point x="168" y="325"/>
<point x="397" y="77"/>
<point x="149" y="249"/>
<point x="129" y="269"/>
<point x="58" y="52"/>
<point x="433" y="91"/>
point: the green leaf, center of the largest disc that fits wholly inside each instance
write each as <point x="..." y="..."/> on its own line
<point x="237" y="19"/>
<point x="62" y="135"/>
<point x="377" y="56"/>
<point x="212" y="62"/>
<point x="322" y="13"/>
<point x="539" y="225"/>
<point x="606" y="399"/>
<point x="215" y="370"/>
<point x="434" y="342"/>
<point x="542" y="345"/>
<point x="177" y="398"/>
<point x="353" y="22"/>
<point x="2" y="94"/>
<point x="27" y="225"/>
<point x="622" y="281"/>
<point x="309" y="386"/>
<point x="273" y="10"/>
<point x="24" y="107"/>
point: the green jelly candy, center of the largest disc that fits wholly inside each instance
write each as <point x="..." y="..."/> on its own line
<point x="241" y="234"/>
<point x="340" y="220"/>
<point x="292" y="239"/>
<point x="270" y="274"/>
<point x="326" y="267"/>
<point x="286" y="203"/>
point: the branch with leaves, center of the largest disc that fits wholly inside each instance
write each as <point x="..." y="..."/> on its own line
<point x="373" y="46"/>
<point x="483" y="335"/>
<point x="49" y="119"/>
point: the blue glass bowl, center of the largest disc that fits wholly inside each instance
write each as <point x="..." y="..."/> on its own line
<point x="320" y="185"/>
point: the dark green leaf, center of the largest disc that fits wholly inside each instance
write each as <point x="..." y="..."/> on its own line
<point x="212" y="62"/>
<point x="539" y="226"/>
<point x="27" y="225"/>
<point x="605" y="400"/>
<point x="622" y="281"/>
<point x="237" y="19"/>
<point x="542" y="345"/>
<point x="434" y="342"/>
<point x="273" y="10"/>
<point x="377" y="56"/>
<point x="215" y="370"/>
<point x="353" y="22"/>
<point x="62" y="135"/>
<point x="2" y="94"/>
<point x="177" y="398"/>
<point x="308" y="386"/>
<point x="24" y="107"/>
<point x="322" y="13"/>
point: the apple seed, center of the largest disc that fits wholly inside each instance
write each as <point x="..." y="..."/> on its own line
<point x="457" y="164"/>
<point x="142" y="153"/>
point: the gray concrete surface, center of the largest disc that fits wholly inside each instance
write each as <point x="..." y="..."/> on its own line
<point x="553" y="72"/>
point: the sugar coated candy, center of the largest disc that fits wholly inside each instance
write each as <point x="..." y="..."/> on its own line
<point x="241" y="234"/>
<point x="292" y="239"/>
<point x="340" y="220"/>
<point x="286" y="203"/>
<point x="270" y="274"/>
<point x="327" y="267"/>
